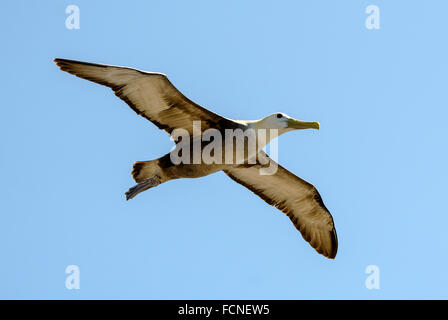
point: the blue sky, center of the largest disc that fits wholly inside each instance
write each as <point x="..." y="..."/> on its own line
<point x="379" y="161"/>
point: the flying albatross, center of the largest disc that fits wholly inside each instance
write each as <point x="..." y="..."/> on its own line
<point x="154" y="97"/>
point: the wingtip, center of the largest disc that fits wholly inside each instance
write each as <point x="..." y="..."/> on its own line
<point x="61" y="61"/>
<point x="328" y="255"/>
<point x="332" y="256"/>
<point x="331" y="251"/>
<point x="58" y="62"/>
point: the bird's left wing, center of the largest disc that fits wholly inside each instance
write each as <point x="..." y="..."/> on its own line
<point x="149" y="94"/>
<point x="294" y="196"/>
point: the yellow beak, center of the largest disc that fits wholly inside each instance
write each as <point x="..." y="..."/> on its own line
<point x="298" y="124"/>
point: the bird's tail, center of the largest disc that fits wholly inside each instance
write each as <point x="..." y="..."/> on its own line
<point x="144" y="170"/>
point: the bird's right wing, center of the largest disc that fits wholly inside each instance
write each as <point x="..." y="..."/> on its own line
<point x="294" y="196"/>
<point x="149" y="94"/>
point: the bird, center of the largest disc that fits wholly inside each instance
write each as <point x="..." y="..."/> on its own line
<point x="152" y="96"/>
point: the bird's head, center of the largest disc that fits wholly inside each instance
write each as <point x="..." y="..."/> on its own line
<point x="285" y="123"/>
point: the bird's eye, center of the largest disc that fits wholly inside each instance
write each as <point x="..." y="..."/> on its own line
<point x="279" y="115"/>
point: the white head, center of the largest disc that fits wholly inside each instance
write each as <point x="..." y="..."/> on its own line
<point x="284" y="123"/>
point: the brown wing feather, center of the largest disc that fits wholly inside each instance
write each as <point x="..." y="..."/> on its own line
<point x="150" y="95"/>
<point x="297" y="198"/>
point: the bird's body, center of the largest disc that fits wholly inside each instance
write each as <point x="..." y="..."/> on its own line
<point x="206" y="143"/>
